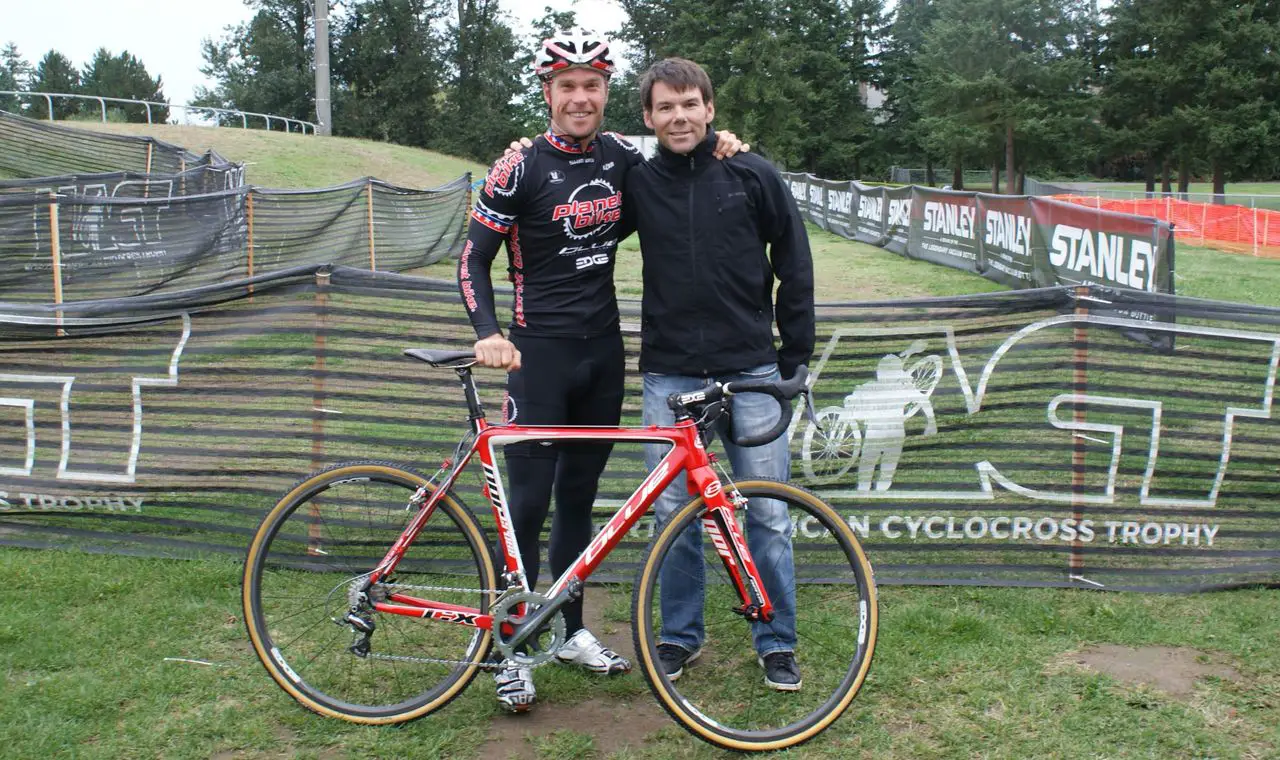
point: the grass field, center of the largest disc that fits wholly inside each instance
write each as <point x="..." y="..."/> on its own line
<point x="112" y="656"/>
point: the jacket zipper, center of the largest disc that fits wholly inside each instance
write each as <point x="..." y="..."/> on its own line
<point x="693" y="256"/>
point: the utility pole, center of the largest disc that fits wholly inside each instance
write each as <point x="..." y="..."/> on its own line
<point x="323" y="114"/>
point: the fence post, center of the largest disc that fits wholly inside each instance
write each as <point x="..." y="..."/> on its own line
<point x="1255" y="226"/>
<point x="1080" y="386"/>
<point x="55" y="253"/>
<point x="1204" y="222"/>
<point x="318" y="410"/>
<point x="103" y="103"/>
<point x="249" y="213"/>
<point x="373" y="261"/>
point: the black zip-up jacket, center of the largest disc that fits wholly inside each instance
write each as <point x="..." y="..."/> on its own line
<point x="704" y="225"/>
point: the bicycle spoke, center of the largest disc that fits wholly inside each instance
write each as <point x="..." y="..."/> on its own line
<point x="724" y="692"/>
<point x="357" y="512"/>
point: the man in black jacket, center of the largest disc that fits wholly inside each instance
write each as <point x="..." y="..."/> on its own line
<point x="714" y="236"/>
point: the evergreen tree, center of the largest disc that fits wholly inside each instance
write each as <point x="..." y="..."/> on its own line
<point x="124" y="76"/>
<point x="264" y="65"/>
<point x="1006" y="82"/>
<point x="901" y="130"/>
<point x="56" y="73"/>
<point x="389" y="71"/>
<point x="481" y="110"/>
<point x="15" y="74"/>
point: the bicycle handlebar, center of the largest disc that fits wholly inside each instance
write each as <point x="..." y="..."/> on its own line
<point x="781" y="390"/>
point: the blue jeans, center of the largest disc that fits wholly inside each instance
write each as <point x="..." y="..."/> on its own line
<point x="768" y="524"/>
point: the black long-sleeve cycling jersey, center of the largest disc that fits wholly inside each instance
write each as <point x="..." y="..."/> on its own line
<point x="559" y="209"/>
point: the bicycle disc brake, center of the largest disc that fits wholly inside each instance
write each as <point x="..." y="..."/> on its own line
<point x="539" y="648"/>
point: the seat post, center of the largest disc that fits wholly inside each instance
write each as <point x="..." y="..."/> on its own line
<point x="475" y="412"/>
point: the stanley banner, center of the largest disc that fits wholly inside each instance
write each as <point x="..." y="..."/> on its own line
<point x="1018" y="241"/>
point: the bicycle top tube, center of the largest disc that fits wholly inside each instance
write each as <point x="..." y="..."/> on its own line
<point x="703" y="406"/>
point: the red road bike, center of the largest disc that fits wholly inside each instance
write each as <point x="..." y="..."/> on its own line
<point x="371" y="593"/>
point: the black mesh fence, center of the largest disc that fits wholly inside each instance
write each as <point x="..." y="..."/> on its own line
<point x="31" y="148"/>
<point x="56" y="248"/>
<point x="198" y="180"/>
<point x="1022" y="438"/>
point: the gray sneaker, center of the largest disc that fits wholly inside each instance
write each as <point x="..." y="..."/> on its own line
<point x="781" y="672"/>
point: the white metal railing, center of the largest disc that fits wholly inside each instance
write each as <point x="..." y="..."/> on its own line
<point x="188" y="109"/>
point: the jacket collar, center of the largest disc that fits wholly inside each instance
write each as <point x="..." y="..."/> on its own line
<point x="696" y="158"/>
<point x="568" y="144"/>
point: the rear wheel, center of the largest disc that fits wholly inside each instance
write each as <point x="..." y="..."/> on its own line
<point x="303" y="574"/>
<point x="722" y="696"/>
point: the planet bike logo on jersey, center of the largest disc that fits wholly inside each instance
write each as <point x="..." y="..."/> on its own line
<point x="505" y="176"/>
<point x="590" y="212"/>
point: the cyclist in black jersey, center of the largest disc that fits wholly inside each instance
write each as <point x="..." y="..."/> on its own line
<point x="558" y="207"/>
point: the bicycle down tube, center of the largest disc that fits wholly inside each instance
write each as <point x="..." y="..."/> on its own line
<point x="725" y="533"/>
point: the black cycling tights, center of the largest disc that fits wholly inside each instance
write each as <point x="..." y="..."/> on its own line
<point x="562" y="381"/>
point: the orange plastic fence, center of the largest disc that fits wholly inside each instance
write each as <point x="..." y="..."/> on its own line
<point x="1231" y="228"/>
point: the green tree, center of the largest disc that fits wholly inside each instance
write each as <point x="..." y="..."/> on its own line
<point x="901" y="130"/>
<point x="15" y="74"/>
<point x="264" y="65"/>
<point x="124" y="76"/>
<point x="389" y="71"/>
<point x="481" y="112"/>
<point x="1007" y="82"/>
<point x="56" y="73"/>
<point x="1235" y="118"/>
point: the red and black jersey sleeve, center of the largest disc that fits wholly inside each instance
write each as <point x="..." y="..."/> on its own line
<point x="495" y="213"/>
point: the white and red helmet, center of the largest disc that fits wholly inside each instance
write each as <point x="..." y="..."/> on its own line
<point x="573" y="49"/>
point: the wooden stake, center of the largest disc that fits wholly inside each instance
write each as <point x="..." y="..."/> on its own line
<point x="318" y="402"/>
<point x="373" y="260"/>
<point x="249" y="212"/>
<point x="1080" y="385"/>
<point x="55" y="251"/>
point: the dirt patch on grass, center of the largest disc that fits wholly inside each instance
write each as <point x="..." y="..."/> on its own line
<point x="1172" y="670"/>
<point x="613" y="723"/>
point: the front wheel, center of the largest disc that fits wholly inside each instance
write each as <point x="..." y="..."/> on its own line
<point x="827" y="616"/>
<point x="303" y="576"/>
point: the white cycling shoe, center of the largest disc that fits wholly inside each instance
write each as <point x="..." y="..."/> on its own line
<point x="515" y="687"/>
<point x="585" y="650"/>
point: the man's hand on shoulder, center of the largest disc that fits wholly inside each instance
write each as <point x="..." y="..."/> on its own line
<point x="497" y="352"/>
<point x="518" y="145"/>
<point x="728" y="144"/>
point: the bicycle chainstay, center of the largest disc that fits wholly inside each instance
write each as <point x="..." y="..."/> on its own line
<point x="491" y="666"/>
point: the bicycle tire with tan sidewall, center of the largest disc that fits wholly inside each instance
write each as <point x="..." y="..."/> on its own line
<point x="861" y="620"/>
<point x="471" y="543"/>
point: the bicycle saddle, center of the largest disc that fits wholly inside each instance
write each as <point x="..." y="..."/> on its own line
<point x="437" y="358"/>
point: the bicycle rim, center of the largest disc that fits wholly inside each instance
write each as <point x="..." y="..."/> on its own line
<point x="319" y="541"/>
<point x="722" y="697"/>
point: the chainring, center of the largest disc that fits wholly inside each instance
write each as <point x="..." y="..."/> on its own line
<point x="538" y="649"/>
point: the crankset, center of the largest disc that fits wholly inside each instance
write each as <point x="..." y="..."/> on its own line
<point x="507" y="622"/>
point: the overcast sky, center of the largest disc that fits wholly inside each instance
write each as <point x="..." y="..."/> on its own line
<point x="165" y="34"/>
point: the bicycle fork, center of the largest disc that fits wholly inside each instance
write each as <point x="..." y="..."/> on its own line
<point x="727" y="537"/>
